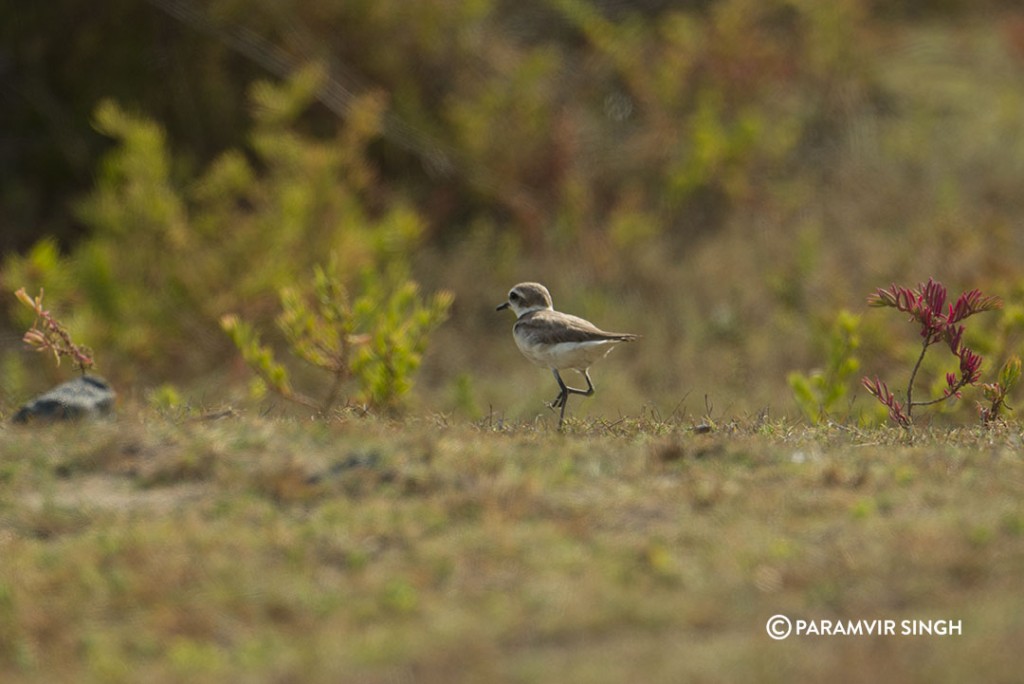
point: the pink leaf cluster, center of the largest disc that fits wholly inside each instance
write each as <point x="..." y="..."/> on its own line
<point x="927" y="305"/>
<point x="880" y="390"/>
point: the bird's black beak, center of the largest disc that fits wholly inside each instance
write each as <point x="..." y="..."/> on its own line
<point x="503" y="306"/>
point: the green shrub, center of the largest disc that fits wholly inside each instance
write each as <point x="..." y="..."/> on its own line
<point x="170" y="253"/>
<point x="819" y="392"/>
<point x="377" y="339"/>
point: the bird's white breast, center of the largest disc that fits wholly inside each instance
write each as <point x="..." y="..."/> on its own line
<point x="562" y="355"/>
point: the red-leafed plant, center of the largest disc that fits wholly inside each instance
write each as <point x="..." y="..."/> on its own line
<point x="940" y="322"/>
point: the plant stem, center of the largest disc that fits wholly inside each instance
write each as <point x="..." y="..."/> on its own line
<point x="340" y="375"/>
<point x="910" y="386"/>
<point x="913" y="376"/>
<point x="933" y="401"/>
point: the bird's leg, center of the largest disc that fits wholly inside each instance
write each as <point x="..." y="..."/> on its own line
<point x="563" y="396"/>
<point x="590" y="386"/>
<point x="572" y="390"/>
<point x="563" y="392"/>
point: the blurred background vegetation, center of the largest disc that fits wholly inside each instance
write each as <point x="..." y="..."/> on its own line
<point x="723" y="177"/>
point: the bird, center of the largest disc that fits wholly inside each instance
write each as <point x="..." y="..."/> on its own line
<point x="556" y="340"/>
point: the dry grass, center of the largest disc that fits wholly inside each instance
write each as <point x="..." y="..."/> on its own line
<point x="278" y="551"/>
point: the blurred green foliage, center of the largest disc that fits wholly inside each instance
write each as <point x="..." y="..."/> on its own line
<point x="377" y="339"/>
<point x="515" y="108"/>
<point x="997" y="393"/>
<point x="717" y="175"/>
<point x="819" y="393"/>
<point x="166" y="259"/>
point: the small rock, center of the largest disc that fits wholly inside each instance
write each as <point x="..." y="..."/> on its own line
<point x="84" y="397"/>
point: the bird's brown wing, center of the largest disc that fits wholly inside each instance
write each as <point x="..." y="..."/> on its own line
<point x="552" y="327"/>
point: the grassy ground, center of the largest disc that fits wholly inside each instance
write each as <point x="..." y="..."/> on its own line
<point x="363" y="551"/>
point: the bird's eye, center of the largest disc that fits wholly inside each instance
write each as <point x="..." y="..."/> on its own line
<point x="513" y="296"/>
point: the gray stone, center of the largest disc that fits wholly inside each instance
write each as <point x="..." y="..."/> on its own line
<point x="84" y="397"/>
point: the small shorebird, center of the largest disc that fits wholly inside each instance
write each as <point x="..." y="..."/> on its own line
<point x="557" y="340"/>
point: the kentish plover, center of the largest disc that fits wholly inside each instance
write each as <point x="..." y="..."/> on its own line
<point x="557" y="340"/>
